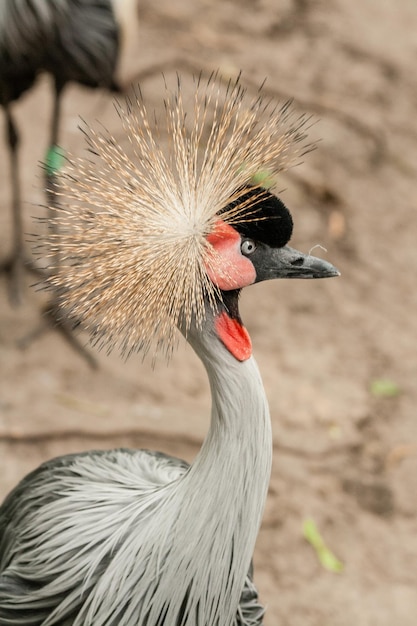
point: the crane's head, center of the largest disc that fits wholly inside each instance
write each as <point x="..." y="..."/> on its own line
<point x="146" y="237"/>
<point x="254" y="249"/>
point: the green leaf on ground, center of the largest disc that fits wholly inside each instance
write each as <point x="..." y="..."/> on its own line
<point x="384" y="388"/>
<point x="326" y="557"/>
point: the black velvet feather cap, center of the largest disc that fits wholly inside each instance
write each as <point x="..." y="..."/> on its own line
<point x="262" y="216"/>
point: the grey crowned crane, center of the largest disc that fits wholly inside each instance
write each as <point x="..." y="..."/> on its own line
<point x="74" y="41"/>
<point x="165" y="241"/>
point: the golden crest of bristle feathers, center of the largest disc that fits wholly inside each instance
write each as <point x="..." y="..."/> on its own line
<point x="131" y="230"/>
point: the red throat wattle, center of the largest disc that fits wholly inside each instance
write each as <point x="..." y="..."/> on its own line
<point x="234" y="336"/>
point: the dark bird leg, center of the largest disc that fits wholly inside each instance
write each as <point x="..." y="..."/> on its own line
<point x="52" y="316"/>
<point x="13" y="266"/>
<point x="18" y="262"/>
<point x="54" y="157"/>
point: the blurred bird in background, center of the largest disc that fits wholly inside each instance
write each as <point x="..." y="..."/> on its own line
<point x="79" y="41"/>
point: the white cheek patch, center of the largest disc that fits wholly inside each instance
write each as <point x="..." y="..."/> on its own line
<point x="226" y="267"/>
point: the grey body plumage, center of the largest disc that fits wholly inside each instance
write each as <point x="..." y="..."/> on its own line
<point x="73" y="40"/>
<point x="45" y="487"/>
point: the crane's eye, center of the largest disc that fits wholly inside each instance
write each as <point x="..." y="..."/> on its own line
<point x="247" y="247"/>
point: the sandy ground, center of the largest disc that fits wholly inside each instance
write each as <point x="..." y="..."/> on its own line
<point x="344" y="453"/>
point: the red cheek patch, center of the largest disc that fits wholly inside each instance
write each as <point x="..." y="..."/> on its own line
<point x="227" y="267"/>
<point x="234" y="336"/>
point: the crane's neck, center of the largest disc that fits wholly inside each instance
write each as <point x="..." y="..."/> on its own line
<point x="240" y="423"/>
<point x="227" y="484"/>
<point x="210" y="516"/>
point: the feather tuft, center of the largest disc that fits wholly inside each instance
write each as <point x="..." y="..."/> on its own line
<point x="127" y="247"/>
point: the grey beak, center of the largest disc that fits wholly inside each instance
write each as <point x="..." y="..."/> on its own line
<point x="286" y="262"/>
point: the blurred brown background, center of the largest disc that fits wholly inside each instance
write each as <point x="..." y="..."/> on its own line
<point x="338" y="357"/>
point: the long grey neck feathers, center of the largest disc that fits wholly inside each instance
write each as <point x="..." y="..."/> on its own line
<point x="226" y="487"/>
